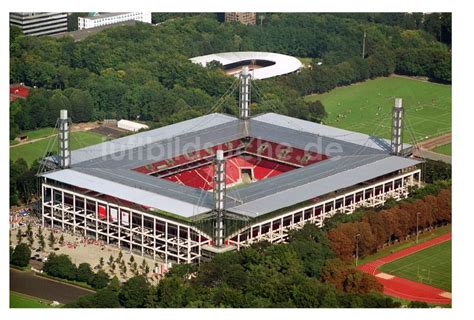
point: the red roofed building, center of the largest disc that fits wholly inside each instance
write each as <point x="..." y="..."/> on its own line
<point x="18" y="91"/>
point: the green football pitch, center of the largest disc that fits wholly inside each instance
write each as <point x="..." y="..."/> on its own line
<point x="444" y="149"/>
<point x="431" y="266"/>
<point x="366" y="107"/>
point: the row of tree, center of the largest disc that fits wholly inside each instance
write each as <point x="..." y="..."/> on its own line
<point x="378" y="228"/>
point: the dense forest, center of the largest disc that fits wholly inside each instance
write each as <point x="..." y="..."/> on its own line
<point x="144" y="71"/>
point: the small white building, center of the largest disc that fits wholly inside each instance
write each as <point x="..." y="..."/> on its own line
<point x="112" y="18"/>
<point x="130" y="125"/>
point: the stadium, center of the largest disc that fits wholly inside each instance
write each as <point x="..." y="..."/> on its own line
<point x="185" y="192"/>
<point x="262" y="65"/>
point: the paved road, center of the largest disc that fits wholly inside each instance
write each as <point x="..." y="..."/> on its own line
<point x="33" y="285"/>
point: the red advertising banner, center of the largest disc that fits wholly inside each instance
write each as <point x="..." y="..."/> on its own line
<point x="102" y="212"/>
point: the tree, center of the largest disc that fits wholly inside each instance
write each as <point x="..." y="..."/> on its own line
<point x="58" y="101"/>
<point x="317" y="112"/>
<point x="99" y="280"/>
<point x="60" y="266"/>
<point x="343" y="242"/>
<point x="143" y="265"/>
<point x="119" y="257"/>
<point x="114" y="284"/>
<point x="19" y="236"/>
<point x="31" y="238"/>
<point x="111" y="260"/>
<point x="84" y="272"/>
<point x="82" y="105"/>
<point x="105" y="298"/>
<point x="42" y="242"/>
<point x="61" y="240"/>
<point x="51" y="239"/>
<point x="134" y="292"/>
<point x="346" y="278"/>
<point x="21" y="255"/>
<point x="307" y="294"/>
<point x="101" y="262"/>
<point x="172" y="293"/>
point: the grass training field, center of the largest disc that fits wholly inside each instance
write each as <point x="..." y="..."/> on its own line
<point x="366" y="107"/>
<point x="35" y="150"/>
<point x="444" y="149"/>
<point x="18" y="300"/>
<point x="431" y="266"/>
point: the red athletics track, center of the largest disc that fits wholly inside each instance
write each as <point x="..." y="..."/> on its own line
<point x="404" y="288"/>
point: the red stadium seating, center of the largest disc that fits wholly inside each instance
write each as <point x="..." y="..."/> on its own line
<point x="265" y="159"/>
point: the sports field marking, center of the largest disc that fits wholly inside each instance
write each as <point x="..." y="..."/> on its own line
<point x="384" y="276"/>
<point x="431" y="266"/>
<point x="361" y="107"/>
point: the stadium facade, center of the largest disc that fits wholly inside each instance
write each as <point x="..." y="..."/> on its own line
<point x="187" y="191"/>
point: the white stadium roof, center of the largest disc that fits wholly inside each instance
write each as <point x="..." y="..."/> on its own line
<point x="283" y="64"/>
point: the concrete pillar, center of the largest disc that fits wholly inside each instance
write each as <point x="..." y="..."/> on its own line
<point x="244" y="93"/>
<point x="397" y="127"/>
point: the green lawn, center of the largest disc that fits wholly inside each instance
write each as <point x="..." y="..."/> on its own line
<point x="444" y="149"/>
<point x="366" y="107"/>
<point x="18" y="300"/>
<point x="36" y="150"/>
<point x="35" y="134"/>
<point x="38" y="133"/>
<point x="431" y="266"/>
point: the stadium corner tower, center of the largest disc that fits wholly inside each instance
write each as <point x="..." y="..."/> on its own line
<point x="184" y="192"/>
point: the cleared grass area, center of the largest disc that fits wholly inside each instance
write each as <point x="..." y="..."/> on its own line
<point x="18" y="300"/>
<point x="366" y="107"/>
<point x="444" y="149"/>
<point x="305" y="60"/>
<point x="38" y="133"/>
<point x="35" y="134"/>
<point x="423" y="237"/>
<point x="431" y="266"/>
<point x="35" y="150"/>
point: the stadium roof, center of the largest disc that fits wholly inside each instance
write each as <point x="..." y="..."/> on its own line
<point x="353" y="158"/>
<point x="283" y="64"/>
